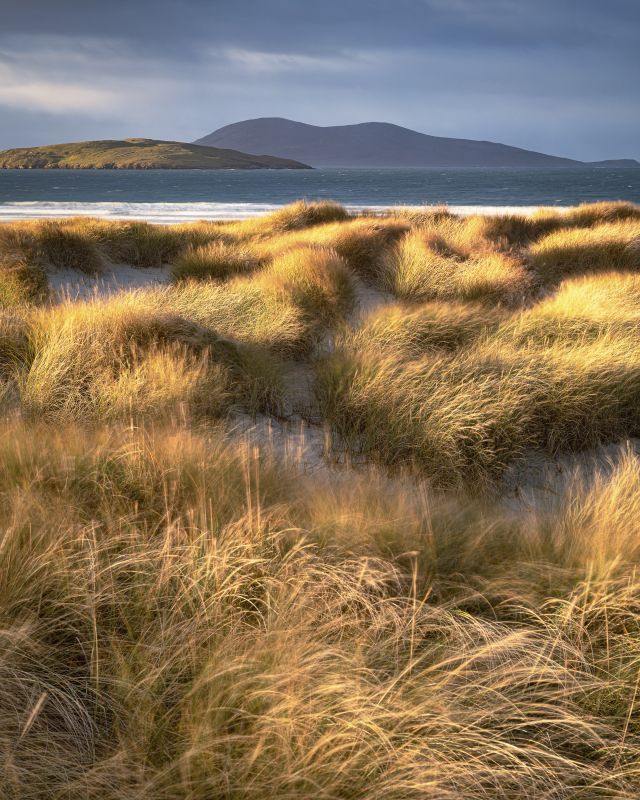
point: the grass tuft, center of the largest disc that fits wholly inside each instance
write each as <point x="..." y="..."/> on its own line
<point x="215" y="261"/>
<point x="425" y="265"/>
<point x="578" y="251"/>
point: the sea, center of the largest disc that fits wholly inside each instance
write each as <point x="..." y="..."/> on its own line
<point x="170" y="196"/>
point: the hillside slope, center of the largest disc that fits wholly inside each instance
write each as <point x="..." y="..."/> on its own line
<point x="378" y="144"/>
<point x="137" y="154"/>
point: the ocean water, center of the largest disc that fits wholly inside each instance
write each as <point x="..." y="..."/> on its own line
<point x="182" y="195"/>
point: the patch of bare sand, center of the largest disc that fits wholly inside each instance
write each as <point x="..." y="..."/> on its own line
<point x="539" y="482"/>
<point x="293" y="442"/>
<point x="71" y="284"/>
<point x="367" y="300"/>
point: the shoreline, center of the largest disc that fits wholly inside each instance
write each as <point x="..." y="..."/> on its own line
<point x="175" y="213"/>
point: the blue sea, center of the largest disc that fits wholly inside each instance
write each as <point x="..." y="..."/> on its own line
<point x="182" y="195"/>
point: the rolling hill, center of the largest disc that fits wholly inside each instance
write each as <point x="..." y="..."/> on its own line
<point x="379" y="144"/>
<point x="137" y="154"/>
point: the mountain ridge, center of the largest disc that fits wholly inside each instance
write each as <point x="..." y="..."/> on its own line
<point x="380" y="144"/>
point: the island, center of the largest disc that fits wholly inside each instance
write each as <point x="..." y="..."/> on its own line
<point x="138" y="154"/>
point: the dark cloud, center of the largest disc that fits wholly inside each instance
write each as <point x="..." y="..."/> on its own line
<point x="558" y="75"/>
<point x="278" y="23"/>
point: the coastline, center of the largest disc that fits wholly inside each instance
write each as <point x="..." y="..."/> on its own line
<point x="175" y="213"/>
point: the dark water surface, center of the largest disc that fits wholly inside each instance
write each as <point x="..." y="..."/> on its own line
<point x="172" y="195"/>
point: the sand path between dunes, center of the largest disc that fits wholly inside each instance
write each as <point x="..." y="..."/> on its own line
<point x="71" y="284"/>
<point x="300" y="439"/>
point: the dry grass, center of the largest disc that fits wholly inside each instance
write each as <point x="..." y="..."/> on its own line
<point x="585" y="308"/>
<point x="362" y="242"/>
<point x="413" y="331"/>
<point x="137" y="355"/>
<point x="317" y="280"/>
<point x="209" y="626"/>
<point x="100" y="360"/>
<point x="464" y="417"/>
<point x="184" y="615"/>
<point x="431" y="265"/>
<point x="216" y="260"/>
<point x="21" y="282"/>
<point x="241" y="310"/>
<point x="301" y="214"/>
<point x="575" y="251"/>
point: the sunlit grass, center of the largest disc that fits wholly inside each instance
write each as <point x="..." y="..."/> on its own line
<point x="216" y="260"/>
<point x="188" y="611"/>
<point x="207" y="623"/>
<point x="575" y="251"/>
<point x="431" y="265"/>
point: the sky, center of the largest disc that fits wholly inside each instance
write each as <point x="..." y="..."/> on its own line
<point x="559" y="76"/>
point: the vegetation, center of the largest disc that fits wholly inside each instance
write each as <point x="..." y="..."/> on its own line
<point x="217" y="260"/>
<point x="137" y="154"/>
<point x="603" y="248"/>
<point x="187" y="611"/>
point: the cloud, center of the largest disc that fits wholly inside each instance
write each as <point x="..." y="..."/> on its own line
<point x="556" y="76"/>
<point x="56" y="97"/>
<point x="88" y="77"/>
<point x="273" y="62"/>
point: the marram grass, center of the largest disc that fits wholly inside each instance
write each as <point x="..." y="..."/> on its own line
<point x="186" y="615"/>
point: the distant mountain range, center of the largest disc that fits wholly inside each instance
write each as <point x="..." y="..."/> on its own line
<point x="137" y="154"/>
<point x="380" y="144"/>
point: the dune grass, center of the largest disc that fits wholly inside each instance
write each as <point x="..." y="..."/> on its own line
<point x="603" y="248"/>
<point x="301" y="214"/>
<point x="317" y="280"/>
<point x="210" y="626"/>
<point x="186" y="615"/>
<point x="412" y="331"/>
<point x="216" y="260"/>
<point x="21" y="283"/>
<point x="463" y="417"/>
<point x="425" y="265"/>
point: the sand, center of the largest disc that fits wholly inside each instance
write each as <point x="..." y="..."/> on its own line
<point x="75" y="285"/>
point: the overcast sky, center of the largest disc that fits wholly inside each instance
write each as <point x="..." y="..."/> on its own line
<point x="561" y="76"/>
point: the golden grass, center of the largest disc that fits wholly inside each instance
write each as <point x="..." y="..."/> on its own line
<point x="583" y="308"/>
<point x="573" y="251"/>
<point x="430" y="265"/>
<point x="597" y="213"/>
<point x="413" y="331"/>
<point x="216" y="261"/>
<point x="209" y="626"/>
<point x="136" y="355"/>
<point x="464" y="417"/>
<point x="185" y="615"/>
<point x="295" y="216"/>
<point x="21" y="283"/>
<point x="362" y="242"/>
<point x="317" y="280"/>
<point x="242" y="310"/>
<point x="99" y="360"/>
<point x="52" y="243"/>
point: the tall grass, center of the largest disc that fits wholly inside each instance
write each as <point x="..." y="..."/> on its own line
<point x="21" y="282"/>
<point x="572" y="251"/>
<point x="300" y="214"/>
<point x="216" y="260"/>
<point x="208" y="626"/>
<point x="427" y="265"/>
<point x="465" y="416"/>
<point x="416" y="330"/>
<point x="186" y="615"/>
<point x="317" y="280"/>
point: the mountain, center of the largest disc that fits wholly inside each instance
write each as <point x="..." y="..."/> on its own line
<point x="377" y="144"/>
<point x="137" y="154"/>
